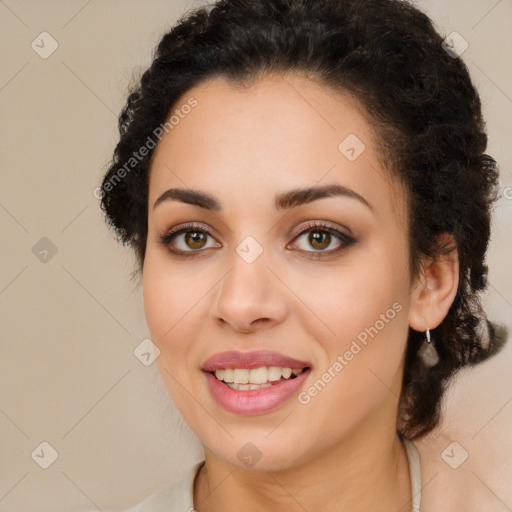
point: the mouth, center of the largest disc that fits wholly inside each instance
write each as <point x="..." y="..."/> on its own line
<point x="244" y="379"/>
<point x="255" y="382"/>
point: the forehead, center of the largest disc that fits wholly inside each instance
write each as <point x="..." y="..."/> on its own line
<point x="279" y="132"/>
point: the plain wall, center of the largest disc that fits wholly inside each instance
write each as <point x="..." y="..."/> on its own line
<point x="69" y="325"/>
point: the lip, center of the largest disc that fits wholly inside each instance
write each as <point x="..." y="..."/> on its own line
<point x="249" y="360"/>
<point x="255" y="401"/>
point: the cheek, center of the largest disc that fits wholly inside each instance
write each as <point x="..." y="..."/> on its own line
<point x="169" y="294"/>
<point x="175" y="305"/>
<point x="364" y="325"/>
<point x="166" y="301"/>
<point x="353" y="296"/>
<point x="362" y="303"/>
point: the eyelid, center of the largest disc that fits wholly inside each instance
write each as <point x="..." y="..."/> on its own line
<point x="345" y="240"/>
<point x="321" y="224"/>
<point x="169" y="235"/>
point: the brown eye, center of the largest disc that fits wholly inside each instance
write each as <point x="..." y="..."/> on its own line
<point x="319" y="240"/>
<point x="195" y="239"/>
<point x="188" y="239"/>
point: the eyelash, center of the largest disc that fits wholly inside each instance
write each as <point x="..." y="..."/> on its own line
<point x="168" y="237"/>
<point x="321" y="227"/>
<point x="345" y="240"/>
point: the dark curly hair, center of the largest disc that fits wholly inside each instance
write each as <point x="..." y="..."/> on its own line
<point x="427" y="116"/>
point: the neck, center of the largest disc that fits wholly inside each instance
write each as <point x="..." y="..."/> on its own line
<point x="366" y="471"/>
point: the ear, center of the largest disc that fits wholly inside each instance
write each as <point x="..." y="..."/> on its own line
<point x="435" y="287"/>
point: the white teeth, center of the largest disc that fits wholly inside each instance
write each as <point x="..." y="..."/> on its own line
<point x="274" y="373"/>
<point x="247" y="387"/>
<point x="286" y="372"/>
<point x="242" y="377"/>
<point x="228" y="375"/>
<point x="258" y="375"/>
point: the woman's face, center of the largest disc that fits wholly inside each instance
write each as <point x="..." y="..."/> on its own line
<point x="321" y="277"/>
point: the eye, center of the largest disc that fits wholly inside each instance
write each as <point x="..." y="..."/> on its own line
<point x="189" y="238"/>
<point x="321" y="238"/>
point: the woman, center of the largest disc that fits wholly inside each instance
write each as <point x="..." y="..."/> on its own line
<point x="306" y="189"/>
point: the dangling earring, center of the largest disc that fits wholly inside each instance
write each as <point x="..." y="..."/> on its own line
<point x="427" y="352"/>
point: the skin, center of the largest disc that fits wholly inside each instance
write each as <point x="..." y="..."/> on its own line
<point x="340" y="451"/>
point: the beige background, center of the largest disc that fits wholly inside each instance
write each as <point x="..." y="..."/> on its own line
<point x="69" y="326"/>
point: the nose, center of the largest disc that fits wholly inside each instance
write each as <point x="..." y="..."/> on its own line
<point x="250" y="297"/>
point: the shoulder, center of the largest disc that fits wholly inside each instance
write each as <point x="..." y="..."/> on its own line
<point x="466" y="463"/>
<point x="177" y="495"/>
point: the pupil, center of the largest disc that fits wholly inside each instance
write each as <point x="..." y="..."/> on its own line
<point x="319" y="239"/>
<point x="195" y="239"/>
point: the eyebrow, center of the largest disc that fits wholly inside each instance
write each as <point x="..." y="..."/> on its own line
<point x="282" y="201"/>
<point x="300" y="196"/>
<point x="189" y="196"/>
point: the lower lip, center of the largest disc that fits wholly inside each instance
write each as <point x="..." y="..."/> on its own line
<point x="254" y="401"/>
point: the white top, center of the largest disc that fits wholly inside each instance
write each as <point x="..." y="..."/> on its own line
<point x="414" y="472"/>
<point x="179" y="495"/>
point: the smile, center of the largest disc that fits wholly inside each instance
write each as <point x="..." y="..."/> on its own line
<point x="254" y="382"/>
<point x="243" y="379"/>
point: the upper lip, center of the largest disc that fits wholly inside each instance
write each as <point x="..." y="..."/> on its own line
<point x="254" y="359"/>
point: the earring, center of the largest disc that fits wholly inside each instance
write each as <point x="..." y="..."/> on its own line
<point x="427" y="351"/>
